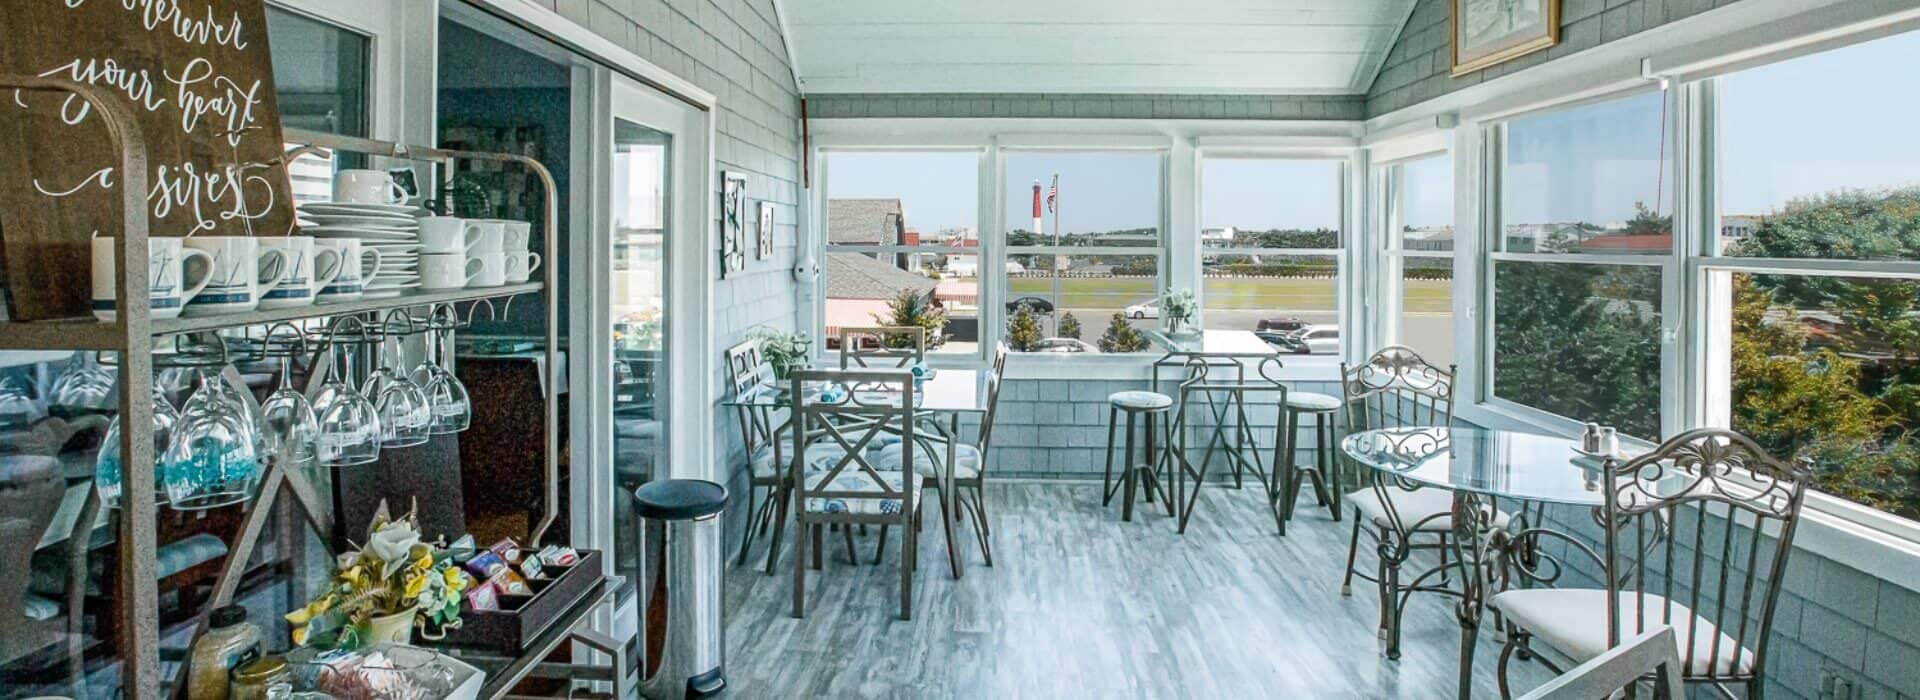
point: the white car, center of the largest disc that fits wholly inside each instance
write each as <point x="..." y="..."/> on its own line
<point x="1145" y="309"/>
<point x="1312" y="340"/>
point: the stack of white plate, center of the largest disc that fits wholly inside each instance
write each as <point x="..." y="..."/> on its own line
<point x="391" y="229"/>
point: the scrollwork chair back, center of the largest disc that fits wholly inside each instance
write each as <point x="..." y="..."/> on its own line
<point x="882" y="347"/>
<point x="1705" y="520"/>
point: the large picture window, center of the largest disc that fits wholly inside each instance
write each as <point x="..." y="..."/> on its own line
<point x="1270" y="242"/>
<point x="1083" y="242"/>
<point x="1819" y="218"/>
<point x="1583" y="240"/>
<point x="902" y="245"/>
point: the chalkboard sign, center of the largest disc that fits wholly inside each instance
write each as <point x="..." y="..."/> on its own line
<point x="198" y="75"/>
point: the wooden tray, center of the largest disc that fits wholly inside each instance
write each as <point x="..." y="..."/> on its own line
<point x="522" y="618"/>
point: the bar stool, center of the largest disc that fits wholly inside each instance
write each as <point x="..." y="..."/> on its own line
<point x="1136" y="404"/>
<point x="1320" y="408"/>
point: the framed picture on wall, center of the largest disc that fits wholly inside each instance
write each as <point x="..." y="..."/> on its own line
<point x="733" y="231"/>
<point x="1490" y="32"/>
<point x="765" y="231"/>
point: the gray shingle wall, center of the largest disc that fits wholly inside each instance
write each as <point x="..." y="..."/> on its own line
<point x="733" y="49"/>
<point x="1104" y="106"/>
<point x="1418" y="66"/>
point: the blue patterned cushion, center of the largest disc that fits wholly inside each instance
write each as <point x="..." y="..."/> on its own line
<point x="966" y="460"/>
<point x="38" y="608"/>
<point x="860" y="481"/>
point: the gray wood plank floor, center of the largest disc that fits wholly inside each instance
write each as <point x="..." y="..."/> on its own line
<point x="1080" y="604"/>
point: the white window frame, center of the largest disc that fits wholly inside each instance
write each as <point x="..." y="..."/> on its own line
<point x="1348" y="165"/>
<point x="1180" y="141"/>
<point x="1386" y="182"/>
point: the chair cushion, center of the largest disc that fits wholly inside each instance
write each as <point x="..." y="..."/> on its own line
<point x="1574" y="621"/>
<point x="1309" y="401"/>
<point x="852" y="479"/>
<point x="762" y="462"/>
<point x="1140" y="400"/>
<point x="966" y="460"/>
<point x="1413" y="507"/>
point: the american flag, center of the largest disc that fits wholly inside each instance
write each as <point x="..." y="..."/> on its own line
<point x="1053" y="193"/>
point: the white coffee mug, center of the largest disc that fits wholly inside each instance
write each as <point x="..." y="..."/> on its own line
<point x="304" y="283"/>
<point x="520" y="266"/>
<point x="519" y="235"/>
<point x="367" y="187"/>
<point x="242" y="273"/>
<point x="350" y="279"/>
<point x="493" y="270"/>
<point x="448" y="235"/>
<point x="492" y="236"/>
<point x="166" y="276"/>
<point x="441" y="271"/>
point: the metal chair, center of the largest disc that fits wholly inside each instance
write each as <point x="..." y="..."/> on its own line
<point x="1617" y="670"/>
<point x="834" y="478"/>
<point x="1225" y="402"/>
<point x="746" y="374"/>
<point x="1397" y="388"/>
<point x="893" y="347"/>
<point x="1665" y="513"/>
<point x="970" y="463"/>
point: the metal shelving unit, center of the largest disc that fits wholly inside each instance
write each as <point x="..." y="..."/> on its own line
<point x="133" y="336"/>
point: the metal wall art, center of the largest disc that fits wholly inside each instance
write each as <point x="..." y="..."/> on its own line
<point x="765" y="241"/>
<point x="733" y="233"/>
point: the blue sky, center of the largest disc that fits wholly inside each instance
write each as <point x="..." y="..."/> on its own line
<point x="1831" y="120"/>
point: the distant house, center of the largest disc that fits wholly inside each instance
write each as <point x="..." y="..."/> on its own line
<point x="858" y="287"/>
<point x="1429" y="238"/>
<point x="1622" y="243"/>
<point x="1217" y="236"/>
<point x="870" y="221"/>
<point x="1737" y="227"/>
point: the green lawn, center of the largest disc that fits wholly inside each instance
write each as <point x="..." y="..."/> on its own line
<point x="1292" y="294"/>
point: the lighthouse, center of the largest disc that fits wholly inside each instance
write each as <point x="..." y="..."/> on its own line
<point x="1039" y="231"/>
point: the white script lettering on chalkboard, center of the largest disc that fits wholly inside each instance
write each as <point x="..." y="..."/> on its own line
<point x="154" y="13"/>
<point x="182" y="185"/>
<point x="134" y="82"/>
<point x="227" y="99"/>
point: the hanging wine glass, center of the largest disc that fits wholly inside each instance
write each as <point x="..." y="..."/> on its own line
<point x="405" y="418"/>
<point x="107" y="466"/>
<point x="447" y="399"/>
<point x="349" y="424"/>
<point x="289" y="427"/>
<point x="83" y="388"/>
<point x="213" y="456"/>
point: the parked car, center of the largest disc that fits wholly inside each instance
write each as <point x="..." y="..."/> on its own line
<point x="1064" y="345"/>
<point x="1146" y="309"/>
<point x="1280" y="325"/>
<point x="1039" y="305"/>
<point x="1312" y="340"/>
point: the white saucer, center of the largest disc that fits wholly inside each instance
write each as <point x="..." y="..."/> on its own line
<point x="350" y="208"/>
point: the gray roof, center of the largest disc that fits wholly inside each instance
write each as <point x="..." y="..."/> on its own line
<point x="864" y="221"/>
<point x="857" y="276"/>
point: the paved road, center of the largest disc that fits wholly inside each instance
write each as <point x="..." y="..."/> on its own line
<point x="1431" y="334"/>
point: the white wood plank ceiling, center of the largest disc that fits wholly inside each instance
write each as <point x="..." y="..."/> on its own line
<point x="1092" y="46"/>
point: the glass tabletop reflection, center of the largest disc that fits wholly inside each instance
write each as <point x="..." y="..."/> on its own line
<point x="1501" y="463"/>
<point x="947" y="390"/>
<point x="1211" y="343"/>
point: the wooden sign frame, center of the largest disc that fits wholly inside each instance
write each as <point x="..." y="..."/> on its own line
<point x="198" y="75"/>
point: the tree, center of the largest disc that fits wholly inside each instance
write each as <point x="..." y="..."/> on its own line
<point x="1120" y="337"/>
<point x="1069" y="326"/>
<point x="1581" y="340"/>
<point x="1023" y="330"/>
<point x="909" y="308"/>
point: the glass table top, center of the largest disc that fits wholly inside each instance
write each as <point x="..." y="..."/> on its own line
<point x="951" y="390"/>
<point x="1499" y="463"/>
<point x="1211" y="343"/>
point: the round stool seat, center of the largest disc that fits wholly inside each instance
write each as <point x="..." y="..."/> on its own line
<point x="679" y="499"/>
<point x="1140" y="401"/>
<point x="1311" y="402"/>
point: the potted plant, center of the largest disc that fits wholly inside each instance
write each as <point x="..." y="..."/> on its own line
<point x="378" y="591"/>
<point x="784" y="351"/>
<point x="1178" y="307"/>
<point x="911" y="309"/>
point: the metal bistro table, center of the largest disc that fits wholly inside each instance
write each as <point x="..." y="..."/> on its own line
<point x="1482" y="467"/>
<point x="943" y="397"/>
<point x="1206" y="346"/>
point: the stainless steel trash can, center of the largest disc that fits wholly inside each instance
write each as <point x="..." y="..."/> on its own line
<point x="681" y="636"/>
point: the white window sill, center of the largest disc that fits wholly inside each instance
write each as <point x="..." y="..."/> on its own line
<point x="1847" y="540"/>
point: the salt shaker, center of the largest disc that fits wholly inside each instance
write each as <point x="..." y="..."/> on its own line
<point x="1590" y="439"/>
<point x="1609" y="441"/>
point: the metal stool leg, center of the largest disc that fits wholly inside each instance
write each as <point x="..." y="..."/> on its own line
<point x="1327" y="467"/>
<point x="1128" y="475"/>
<point x="1106" y="480"/>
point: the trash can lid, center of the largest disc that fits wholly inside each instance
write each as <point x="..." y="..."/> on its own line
<point x="679" y="499"/>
